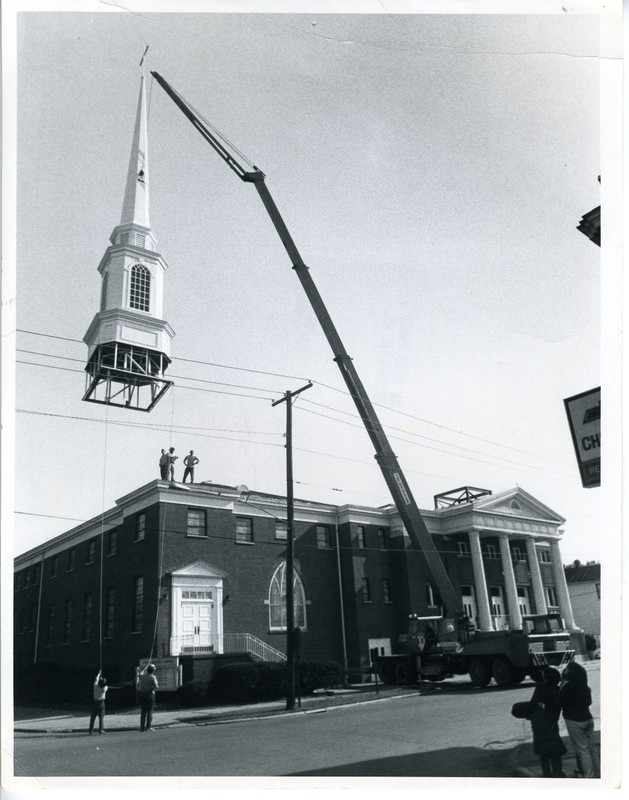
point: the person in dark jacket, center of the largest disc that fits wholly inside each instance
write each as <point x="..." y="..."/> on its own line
<point x="575" y="699"/>
<point x="544" y="718"/>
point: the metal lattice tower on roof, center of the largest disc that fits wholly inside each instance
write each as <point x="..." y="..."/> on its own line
<point x="128" y="341"/>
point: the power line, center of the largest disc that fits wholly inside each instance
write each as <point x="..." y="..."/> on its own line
<point x="334" y="389"/>
<point x="519" y="465"/>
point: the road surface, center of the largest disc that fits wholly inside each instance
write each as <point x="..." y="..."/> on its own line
<point x="457" y="732"/>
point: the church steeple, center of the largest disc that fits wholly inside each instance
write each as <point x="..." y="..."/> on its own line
<point x="129" y="343"/>
<point x="135" y="208"/>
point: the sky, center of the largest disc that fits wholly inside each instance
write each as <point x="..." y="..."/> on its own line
<point x="431" y="170"/>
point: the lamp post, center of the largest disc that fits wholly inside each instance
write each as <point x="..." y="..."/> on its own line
<point x="290" y="610"/>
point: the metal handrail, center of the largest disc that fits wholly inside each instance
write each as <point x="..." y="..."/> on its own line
<point x="225" y="643"/>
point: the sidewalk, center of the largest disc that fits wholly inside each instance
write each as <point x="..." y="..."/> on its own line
<point x="32" y="721"/>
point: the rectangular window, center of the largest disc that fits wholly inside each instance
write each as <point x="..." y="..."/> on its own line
<point x="324" y="537"/>
<point x="33" y="621"/>
<point x="54" y="566"/>
<point x="195" y="524"/>
<point x="36" y="573"/>
<point x="87" y="618"/>
<point x="544" y="556"/>
<point x="67" y="628"/>
<point x="386" y="590"/>
<point x="281" y="529"/>
<point x="91" y="551"/>
<point x="140" y="527"/>
<point x="362" y="542"/>
<point x="517" y="553"/>
<point x="71" y="559"/>
<point x="112" y="543"/>
<point x="27" y="577"/>
<point x="244" y="530"/>
<point x="50" y="627"/>
<point x="109" y="613"/>
<point x="551" y="597"/>
<point x="366" y="590"/>
<point x="490" y="551"/>
<point x="23" y="620"/>
<point x="382" y="538"/>
<point x="138" y="604"/>
<point x="464" y="548"/>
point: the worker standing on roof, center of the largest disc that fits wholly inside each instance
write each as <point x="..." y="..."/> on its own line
<point x="190" y="461"/>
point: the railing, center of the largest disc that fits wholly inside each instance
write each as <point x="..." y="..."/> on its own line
<point x="224" y="643"/>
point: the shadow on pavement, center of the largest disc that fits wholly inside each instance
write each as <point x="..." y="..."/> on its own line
<point x="452" y="762"/>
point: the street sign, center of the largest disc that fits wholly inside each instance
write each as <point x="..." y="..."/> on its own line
<point x="167" y="672"/>
<point x="584" y="418"/>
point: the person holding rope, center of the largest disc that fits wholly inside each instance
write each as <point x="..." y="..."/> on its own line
<point x="98" y="704"/>
<point x="147" y="685"/>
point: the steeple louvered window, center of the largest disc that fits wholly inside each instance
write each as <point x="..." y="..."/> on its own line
<point x="103" y="293"/>
<point x="140" y="287"/>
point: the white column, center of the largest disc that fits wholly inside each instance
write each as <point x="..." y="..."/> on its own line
<point x="536" y="577"/>
<point x="515" y="617"/>
<point x="565" y="606"/>
<point x="480" y="584"/>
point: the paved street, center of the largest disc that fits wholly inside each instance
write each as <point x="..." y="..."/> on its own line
<point x="462" y="732"/>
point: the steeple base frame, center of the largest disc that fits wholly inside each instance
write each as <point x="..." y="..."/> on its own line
<point x="126" y="376"/>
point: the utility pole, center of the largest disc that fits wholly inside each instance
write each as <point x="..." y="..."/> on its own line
<point x="290" y="608"/>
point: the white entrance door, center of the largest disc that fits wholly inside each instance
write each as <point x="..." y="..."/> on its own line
<point x="196" y="619"/>
<point x="468" y="601"/>
<point x="383" y="646"/>
<point x="523" y="600"/>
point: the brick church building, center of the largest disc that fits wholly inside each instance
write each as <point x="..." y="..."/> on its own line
<point x="196" y="572"/>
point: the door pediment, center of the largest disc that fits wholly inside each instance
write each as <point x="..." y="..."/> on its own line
<point x="198" y="569"/>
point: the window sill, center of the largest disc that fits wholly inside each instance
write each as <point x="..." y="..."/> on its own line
<point x="237" y="542"/>
<point x="196" y="535"/>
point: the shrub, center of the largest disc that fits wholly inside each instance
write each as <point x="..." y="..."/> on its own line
<point x="272" y="680"/>
<point x="590" y="642"/>
<point x="193" y="693"/>
<point x="319" y="675"/>
<point x="235" y="683"/>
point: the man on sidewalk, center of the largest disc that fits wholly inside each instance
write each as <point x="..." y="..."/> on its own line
<point x="147" y="685"/>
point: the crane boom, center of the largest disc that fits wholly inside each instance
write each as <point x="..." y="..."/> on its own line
<point x="384" y="455"/>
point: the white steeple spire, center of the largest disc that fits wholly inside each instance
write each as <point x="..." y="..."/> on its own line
<point x="135" y="208"/>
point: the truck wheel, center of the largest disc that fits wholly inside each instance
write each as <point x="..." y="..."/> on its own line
<point x="402" y="673"/>
<point x="536" y="674"/>
<point x="518" y="674"/>
<point x="479" y="674"/>
<point x="386" y="672"/>
<point x="502" y="671"/>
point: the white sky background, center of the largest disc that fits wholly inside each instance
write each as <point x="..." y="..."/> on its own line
<point x="432" y="171"/>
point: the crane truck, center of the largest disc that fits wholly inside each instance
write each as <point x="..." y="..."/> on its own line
<point x="438" y="655"/>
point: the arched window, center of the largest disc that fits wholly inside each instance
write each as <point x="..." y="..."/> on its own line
<point x="277" y="600"/>
<point x="140" y="287"/>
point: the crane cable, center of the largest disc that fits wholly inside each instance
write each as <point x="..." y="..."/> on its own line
<point x="102" y="548"/>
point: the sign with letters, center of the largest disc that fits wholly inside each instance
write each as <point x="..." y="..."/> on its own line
<point x="167" y="672"/>
<point x="584" y="418"/>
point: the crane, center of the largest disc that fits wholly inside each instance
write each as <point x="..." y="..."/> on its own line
<point x="384" y="455"/>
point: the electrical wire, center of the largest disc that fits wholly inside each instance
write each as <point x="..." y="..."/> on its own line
<point x="331" y="388"/>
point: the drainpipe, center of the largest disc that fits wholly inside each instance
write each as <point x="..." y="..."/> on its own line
<point x="338" y="566"/>
<point x="41" y="584"/>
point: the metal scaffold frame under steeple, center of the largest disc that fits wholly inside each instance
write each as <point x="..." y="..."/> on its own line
<point x="128" y="341"/>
